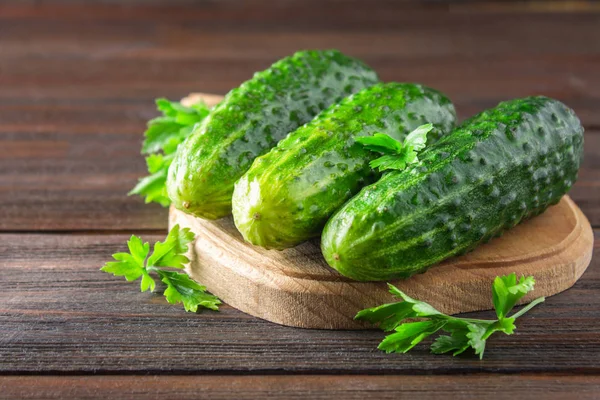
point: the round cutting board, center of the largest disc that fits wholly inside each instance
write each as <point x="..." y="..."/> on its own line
<point x="296" y="287"/>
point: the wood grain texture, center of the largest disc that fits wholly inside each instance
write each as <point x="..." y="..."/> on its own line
<point x="59" y="314"/>
<point x="296" y="287"/>
<point x="525" y="387"/>
<point x="78" y="82"/>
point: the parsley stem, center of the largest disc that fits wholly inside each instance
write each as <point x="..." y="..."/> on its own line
<point x="528" y="307"/>
<point x="470" y="320"/>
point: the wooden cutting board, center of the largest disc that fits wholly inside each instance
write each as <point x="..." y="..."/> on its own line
<point x="296" y="287"/>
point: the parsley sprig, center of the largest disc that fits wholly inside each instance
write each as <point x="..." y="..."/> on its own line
<point x="163" y="136"/>
<point x="464" y="332"/>
<point x="168" y="254"/>
<point x="396" y="154"/>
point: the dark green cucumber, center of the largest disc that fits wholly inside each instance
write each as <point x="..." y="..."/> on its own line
<point x="253" y="118"/>
<point x="494" y="171"/>
<point x="289" y="193"/>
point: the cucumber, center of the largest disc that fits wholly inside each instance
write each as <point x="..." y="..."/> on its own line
<point x="289" y="193"/>
<point x="253" y="118"/>
<point x="497" y="169"/>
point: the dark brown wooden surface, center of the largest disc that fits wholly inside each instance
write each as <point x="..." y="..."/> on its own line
<point x="523" y="386"/>
<point x="59" y="314"/>
<point x="77" y="83"/>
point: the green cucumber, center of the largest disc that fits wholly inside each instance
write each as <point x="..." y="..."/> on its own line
<point x="497" y="169"/>
<point x="253" y="118"/>
<point x="289" y="193"/>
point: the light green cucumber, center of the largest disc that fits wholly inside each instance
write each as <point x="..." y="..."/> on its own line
<point x="252" y="119"/>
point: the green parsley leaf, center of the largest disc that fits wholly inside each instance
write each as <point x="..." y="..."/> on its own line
<point x="181" y="289"/>
<point x="162" y="138"/>
<point x="418" y="138"/>
<point x="388" y="162"/>
<point x="130" y="265"/>
<point x="163" y="131"/>
<point x="170" y="253"/>
<point x="388" y="316"/>
<point x="408" y="335"/>
<point x="167" y="254"/>
<point x="381" y="143"/>
<point x="153" y="188"/>
<point x="464" y="332"/>
<point x="457" y="342"/>
<point x="183" y="115"/>
<point x="477" y="336"/>
<point x="147" y="282"/>
<point x="420" y="308"/>
<point x="157" y="162"/>
<point x="507" y="291"/>
<point x="396" y="155"/>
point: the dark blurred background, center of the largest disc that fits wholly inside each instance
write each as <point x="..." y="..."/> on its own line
<point x="78" y="80"/>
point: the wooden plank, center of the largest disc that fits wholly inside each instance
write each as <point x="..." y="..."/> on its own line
<point x="353" y="9"/>
<point x="59" y="314"/>
<point x="78" y="81"/>
<point x="349" y="387"/>
<point x="219" y="51"/>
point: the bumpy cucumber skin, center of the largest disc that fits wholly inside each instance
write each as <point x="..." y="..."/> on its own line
<point x="289" y="193"/>
<point x="253" y="118"/>
<point x="497" y="169"/>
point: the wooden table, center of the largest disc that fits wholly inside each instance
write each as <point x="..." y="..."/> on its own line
<point x="77" y="83"/>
